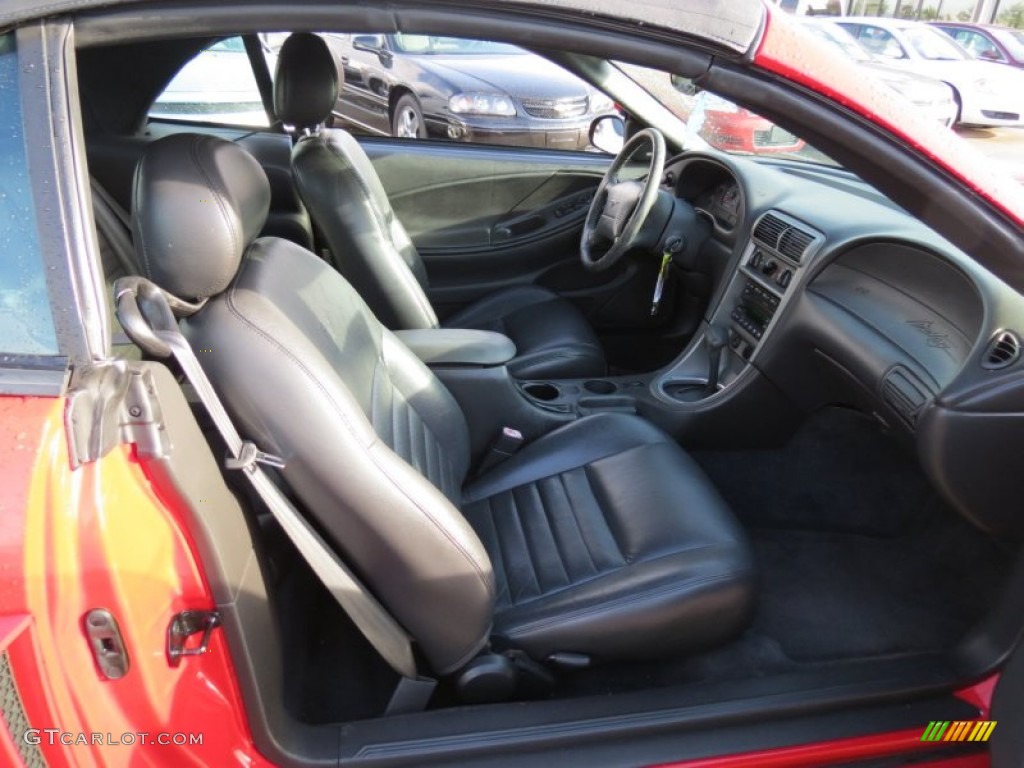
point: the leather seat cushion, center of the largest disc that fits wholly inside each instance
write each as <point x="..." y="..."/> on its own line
<point x="607" y="539"/>
<point x="552" y="338"/>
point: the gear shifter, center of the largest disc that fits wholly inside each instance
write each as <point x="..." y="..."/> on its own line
<point x="714" y="341"/>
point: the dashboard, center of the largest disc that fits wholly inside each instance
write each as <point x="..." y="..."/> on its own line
<point x="835" y="295"/>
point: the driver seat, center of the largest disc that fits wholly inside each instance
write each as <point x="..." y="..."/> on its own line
<point x="345" y="197"/>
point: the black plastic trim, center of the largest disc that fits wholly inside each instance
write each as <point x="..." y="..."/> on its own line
<point x="56" y="158"/>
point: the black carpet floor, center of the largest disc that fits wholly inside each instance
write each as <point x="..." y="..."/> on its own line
<point x="857" y="559"/>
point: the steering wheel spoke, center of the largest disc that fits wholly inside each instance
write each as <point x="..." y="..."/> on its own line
<point x="620" y="208"/>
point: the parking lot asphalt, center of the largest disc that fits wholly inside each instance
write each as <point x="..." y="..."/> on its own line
<point x="1003" y="145"/>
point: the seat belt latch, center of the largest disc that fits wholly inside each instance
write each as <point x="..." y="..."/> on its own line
<point x="249" y="456"/>
<point x="509" y="441"/>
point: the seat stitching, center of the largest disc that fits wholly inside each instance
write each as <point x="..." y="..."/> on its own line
<point x="546" y="490"/>
<point x="613" y="571"/>
<point x="576" y="522"/>
<point x="539" y="493"/>
<point x="526" y="545"/>
<point x="500" y="546"/>
<point x="600" y="496"/>
<point x="246" y="323"/>
<point x="668" y="589"/>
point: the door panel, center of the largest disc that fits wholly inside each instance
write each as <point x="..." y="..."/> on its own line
<point x="485" y="218"/>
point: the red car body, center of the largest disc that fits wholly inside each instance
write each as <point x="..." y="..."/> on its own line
<point x="105" y="533"/>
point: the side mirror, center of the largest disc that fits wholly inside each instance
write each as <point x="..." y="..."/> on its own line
<point x="608" y="134"/>
<point x="990" y="55"/>
<point x="685" y="85"/>
<point x="368" y="43"/>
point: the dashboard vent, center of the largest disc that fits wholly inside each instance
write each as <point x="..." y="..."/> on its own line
<point x="768" y="230"/>
<point x="794" y="244"/>
<point x="1003" y="351"/>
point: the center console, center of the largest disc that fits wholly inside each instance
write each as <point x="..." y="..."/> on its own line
<point x="771" y="266"/>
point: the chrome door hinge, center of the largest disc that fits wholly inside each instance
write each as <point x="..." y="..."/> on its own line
<point x="113" y="404"/>
<point x="183" y="626"/>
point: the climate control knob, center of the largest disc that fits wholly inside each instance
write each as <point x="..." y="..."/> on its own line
<point x="770" y="267"/>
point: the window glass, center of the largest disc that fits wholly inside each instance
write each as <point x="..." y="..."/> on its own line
<point x="456" y="89"/>
<point x="216" y="86"/>
<point x="26" y="321"/>
<point x="978" y="45"/>
<point x="881" y="42"/>
<point x="934" y="45"/>
<point x="712" y="121"/>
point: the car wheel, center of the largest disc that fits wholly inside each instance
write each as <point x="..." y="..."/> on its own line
<point x="407" y="121"/>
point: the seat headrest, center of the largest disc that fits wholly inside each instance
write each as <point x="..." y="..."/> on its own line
<point x="197" y="204"/>
<point x="306" y="83"/>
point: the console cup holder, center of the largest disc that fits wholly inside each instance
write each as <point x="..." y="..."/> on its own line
<point x="541" y="390"/>
<point x="600" y="386"/>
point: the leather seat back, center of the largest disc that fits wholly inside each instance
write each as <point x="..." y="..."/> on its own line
<point x="341" y="189"/>
<point x="376" y="448"/>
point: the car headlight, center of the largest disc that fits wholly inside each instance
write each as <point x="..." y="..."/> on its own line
<point x="482" y="104"/>
<point x="600" y="103"/>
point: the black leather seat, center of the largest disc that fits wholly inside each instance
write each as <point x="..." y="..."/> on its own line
<point x="602" y="538"/>
<point x="344" y="195"/>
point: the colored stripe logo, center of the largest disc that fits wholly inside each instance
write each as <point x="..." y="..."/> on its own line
<point x="959" y="730"/>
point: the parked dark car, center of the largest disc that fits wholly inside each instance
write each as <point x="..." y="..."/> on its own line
<point x="420" y="86"/>
<point x="990" y="42"/>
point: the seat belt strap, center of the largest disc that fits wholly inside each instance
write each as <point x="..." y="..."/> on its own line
<point x="163" y="338"/>
<point x="116" y="226"/>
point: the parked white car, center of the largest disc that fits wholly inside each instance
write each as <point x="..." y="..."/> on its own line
<point x="933" y="98"/>
<point x="988" y="94"/>
<point x="216" y="86"/>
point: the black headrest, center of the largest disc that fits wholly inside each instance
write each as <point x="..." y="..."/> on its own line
<point x="198" y="203"/>
<point x="307" y="81"/>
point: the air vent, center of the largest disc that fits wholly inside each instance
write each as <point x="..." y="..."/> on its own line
<point x="768" y="230"/>
<point x="794" y="244"/>
<point x="1003" y="351"/>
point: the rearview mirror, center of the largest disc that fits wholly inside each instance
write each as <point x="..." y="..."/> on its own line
<point x="608" y="133"/>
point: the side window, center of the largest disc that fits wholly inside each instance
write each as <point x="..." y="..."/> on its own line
<point x="217" y="86"/>
<point x="26" y="321"/>
<point x="978" y="45"/>
<point x="453" y="89"/>
<point x="881" y="42"/>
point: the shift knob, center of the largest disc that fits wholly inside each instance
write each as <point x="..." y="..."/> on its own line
<point x="715" y="339"/>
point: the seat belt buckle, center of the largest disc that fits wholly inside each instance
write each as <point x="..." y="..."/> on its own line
<point x="249" y="456"/>
<point x="509" y="441"/>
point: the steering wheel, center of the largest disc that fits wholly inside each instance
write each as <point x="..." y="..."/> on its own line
<point x="620" y="208"/>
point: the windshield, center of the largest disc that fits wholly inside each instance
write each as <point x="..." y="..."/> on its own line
<point x="1012" y="40"/>
<point x="840" y="38"/>
<point x="714" y="122"/>
<point x="934" y="45"/>
<point x="451" y="46"/>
